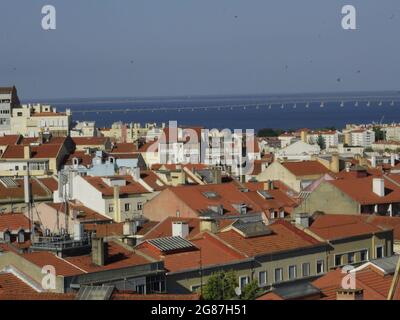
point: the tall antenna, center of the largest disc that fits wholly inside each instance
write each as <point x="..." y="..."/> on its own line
<point x="28" y="200"/>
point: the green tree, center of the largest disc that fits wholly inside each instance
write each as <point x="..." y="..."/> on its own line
<point x="221" y="286"/>
<point x="321" y="142"/>
<point x="379" y="134"/>
<point x="250" y="291"/>
<point x="269" y="132"/>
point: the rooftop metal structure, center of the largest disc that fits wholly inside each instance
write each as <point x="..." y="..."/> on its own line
<point x="171" y="244"/>
<point x="95" y="292"/>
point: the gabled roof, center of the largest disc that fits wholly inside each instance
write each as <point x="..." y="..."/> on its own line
<point x="305" y="168"/>
<point x="17" y="192"/>
<point x="361" y="190"/>
<point x="164" y="228"/>
<point x="375" y="285"/>
<point x="9" y="283"/>
<point x="44" y="151"/>
<point x="227" y="195"/>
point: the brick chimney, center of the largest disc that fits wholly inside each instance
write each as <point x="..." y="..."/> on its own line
<point x="350" y="294"/>
<point x="27" y="152"/>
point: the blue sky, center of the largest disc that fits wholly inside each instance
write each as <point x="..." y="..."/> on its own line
<point x="112" y="48"/>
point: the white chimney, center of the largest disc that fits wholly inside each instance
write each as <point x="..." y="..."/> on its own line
<point x="392" y="160"/>
<point x="136" y="173"/>
<point x="378" y="186"/>
<point x="129" y="228"/>
<point x="78" y="231"/>
<point x="180" y="229"/>
<point x="373" y="161"/>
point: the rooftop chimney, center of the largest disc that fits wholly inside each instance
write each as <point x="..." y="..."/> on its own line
<point x="334" y="165"/>
<point x="350" y="294"/>
<point x="392" y="160"/>
<point x="373" y="161"/>
<point x="302" y="219"/>
<point x="27" y="152"/>
<point x="99" y="251"/>
<point x="378" y="186"/>
<point x="180" y="229"/>
<point x="208" y="224"/>
<point x="268" y="185"/>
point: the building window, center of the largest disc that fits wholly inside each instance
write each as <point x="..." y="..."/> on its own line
<point x="379" y="252"/>
<point x="127" y="206"/>
<point x="111" y="208"/>
<point x="278" y="274"/>
<point x="338" y="260"/>
<point x="350" y="257"/>
<point x="140" y="206"/>
<point x="292" y="272"/>
<point x="243" y="281"/>
<point x="320" y="266"/>
<point x="306" y="269"/>
<point x="363" y="255"/>
<point x="21" y="236"/>
<point x="262" y="278"/>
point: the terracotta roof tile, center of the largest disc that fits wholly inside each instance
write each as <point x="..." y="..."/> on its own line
<point x="337" y="226"/>
<point x="284" y="237"/>
<point x="305" y="168"/>
<point x="14" y="222"/>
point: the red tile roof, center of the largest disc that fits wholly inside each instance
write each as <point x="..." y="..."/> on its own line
<point x="13" y="222"/>
<point x="284" y="237"/>
<point x="9" y="283"/>
<point x="164" y="228"/>
<point x="227" y="195"/>
<point x="83" y="158"/>
<point x="305" y="168"/>
<point x="118" y="257"/>
<point x="376" y="286"/>
<point x="9" y="139"/>
<point x="130" y="296"/>
<point x="51" y="183"/>
<point x="361" y="190"/>
<point x="43" y="151"/>
<point x="44" y="258"/>
<point x="209" y="251"/>
<point x="385" y="222"/>
<point x="87" y="141"/>
<point x="124" y="148"/>
<point x="18" y="192"/>
<point x="337" y="226"/>
<point x="131" y="186"/>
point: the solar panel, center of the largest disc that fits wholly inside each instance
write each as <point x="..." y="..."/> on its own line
<point x="95" y="292"/>
<point x="171" y="243"/>
<point x="8" y="182"/>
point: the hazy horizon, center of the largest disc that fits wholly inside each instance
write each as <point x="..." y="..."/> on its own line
<point x="154" y="48"/>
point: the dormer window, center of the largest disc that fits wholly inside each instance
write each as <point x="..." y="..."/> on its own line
<point x="21" y="236"/>
<point x="7" y="236"/>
